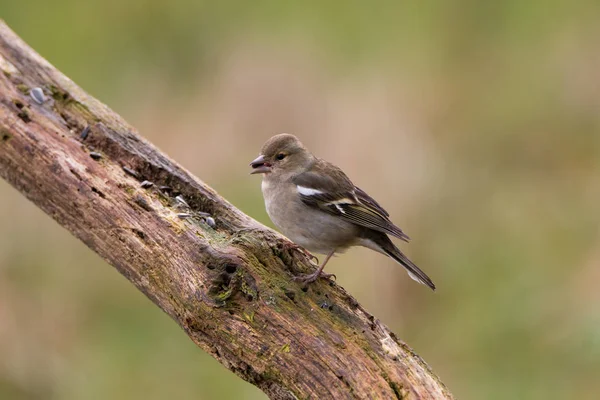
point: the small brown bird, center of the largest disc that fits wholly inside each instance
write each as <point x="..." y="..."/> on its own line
<point x="317" y="206"/>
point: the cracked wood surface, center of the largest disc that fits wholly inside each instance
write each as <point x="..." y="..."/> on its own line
<point x="226" y="280"/>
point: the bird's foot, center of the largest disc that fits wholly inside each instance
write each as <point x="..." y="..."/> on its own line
<point x="307" y="255"/>
<point x="309" y="278"/>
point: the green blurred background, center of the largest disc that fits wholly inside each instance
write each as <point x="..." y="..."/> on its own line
<point x="476" y="124"/>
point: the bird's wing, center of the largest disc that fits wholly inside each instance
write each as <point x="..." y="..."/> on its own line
<point x="326" y="187"/>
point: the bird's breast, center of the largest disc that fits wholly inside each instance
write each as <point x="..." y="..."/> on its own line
<point x="309" y="227"/>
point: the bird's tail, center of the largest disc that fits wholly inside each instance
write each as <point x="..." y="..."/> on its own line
<point x="385" y="245"/>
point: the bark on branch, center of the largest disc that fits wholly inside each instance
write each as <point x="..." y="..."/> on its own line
<point x="228" y="283"/>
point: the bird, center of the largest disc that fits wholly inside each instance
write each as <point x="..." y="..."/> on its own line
<point x="315" y="205"/>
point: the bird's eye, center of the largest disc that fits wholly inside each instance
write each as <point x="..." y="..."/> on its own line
<point x="280" y="156"/>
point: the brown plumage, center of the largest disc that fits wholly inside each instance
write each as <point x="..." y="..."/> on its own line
<point x="318" y="207"/>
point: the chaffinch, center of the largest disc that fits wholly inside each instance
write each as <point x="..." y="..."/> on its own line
<point x="316" y="205"/>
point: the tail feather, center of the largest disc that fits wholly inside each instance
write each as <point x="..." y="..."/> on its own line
<point x="413" y="271"/>
<point x="384" y="245"/>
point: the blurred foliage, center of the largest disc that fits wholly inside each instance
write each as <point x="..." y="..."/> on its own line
<point x="479" y="123"/>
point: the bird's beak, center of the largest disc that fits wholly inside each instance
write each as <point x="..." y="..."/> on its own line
<point x="260" y="166"/>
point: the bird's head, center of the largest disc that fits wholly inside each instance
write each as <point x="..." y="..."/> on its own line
<point x="280" y="154"/>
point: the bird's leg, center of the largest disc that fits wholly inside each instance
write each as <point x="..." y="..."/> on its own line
<point x="293" y="246"/>
<point x="318" y="273"/>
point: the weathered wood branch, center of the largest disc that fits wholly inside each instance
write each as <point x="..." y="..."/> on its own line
<point x="228" y="283"/>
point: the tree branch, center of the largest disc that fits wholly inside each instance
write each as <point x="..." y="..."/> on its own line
<point x="223" y="277"/>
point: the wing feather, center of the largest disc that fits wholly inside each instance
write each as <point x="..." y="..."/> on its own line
<point x="334" y="193"/>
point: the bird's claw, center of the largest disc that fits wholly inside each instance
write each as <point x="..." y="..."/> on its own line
<point x="309" y="278"/>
